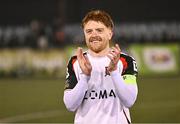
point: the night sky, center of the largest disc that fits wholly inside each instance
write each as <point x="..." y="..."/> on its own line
<point x="14" y="12"/>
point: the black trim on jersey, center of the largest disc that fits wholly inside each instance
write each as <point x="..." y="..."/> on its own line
<point x="130" y="65"/>
<point x="126" y="117"/>
<point x="71" y="80"/>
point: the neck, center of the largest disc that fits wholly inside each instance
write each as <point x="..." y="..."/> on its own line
<point x="102" y="53"/>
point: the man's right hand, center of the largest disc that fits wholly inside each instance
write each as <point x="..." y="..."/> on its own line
<point x="84" y="62"/>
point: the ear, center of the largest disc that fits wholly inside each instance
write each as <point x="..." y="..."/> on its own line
<point x="110" y="34"/>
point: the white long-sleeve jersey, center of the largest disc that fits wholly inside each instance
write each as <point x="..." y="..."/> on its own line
<point x="102" y="98"/>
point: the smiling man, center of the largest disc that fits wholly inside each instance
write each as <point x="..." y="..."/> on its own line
<point x="101" y="82"/>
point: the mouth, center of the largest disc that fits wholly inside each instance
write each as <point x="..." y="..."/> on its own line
<point x="95" y="39"/>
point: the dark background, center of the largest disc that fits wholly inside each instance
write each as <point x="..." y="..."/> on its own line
<point x="37" y="38"/>
<point x="13" y="12"/>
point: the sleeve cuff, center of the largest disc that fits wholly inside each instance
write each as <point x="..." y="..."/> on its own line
<point x="114" y="72"/>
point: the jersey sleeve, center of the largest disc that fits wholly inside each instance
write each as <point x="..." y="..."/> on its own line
<point x="129" y="65"/>
<point x="71" y="79"/>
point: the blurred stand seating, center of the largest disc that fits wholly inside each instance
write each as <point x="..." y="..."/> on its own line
<point x="40" y="35"/>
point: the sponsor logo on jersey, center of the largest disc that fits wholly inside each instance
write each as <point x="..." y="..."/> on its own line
<point x="102" y="94"/>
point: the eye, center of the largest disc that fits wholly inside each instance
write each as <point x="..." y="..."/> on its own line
<point x="100" y="30"/>
<point x="88" y="31"/>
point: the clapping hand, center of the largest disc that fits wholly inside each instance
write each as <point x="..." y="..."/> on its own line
<point x="84" y="63"/>
<point x="114" y="56"/>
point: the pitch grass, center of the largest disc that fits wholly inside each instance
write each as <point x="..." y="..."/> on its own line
<point x="40" y="100"/>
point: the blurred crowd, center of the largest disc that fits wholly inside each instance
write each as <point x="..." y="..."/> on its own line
<point x="40" y="35"/>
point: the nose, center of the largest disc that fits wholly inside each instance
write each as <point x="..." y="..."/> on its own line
<point x="94" y="33"/>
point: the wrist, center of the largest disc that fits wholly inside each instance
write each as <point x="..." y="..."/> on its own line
<point x="114" y="72"/>
<point x="111" y="69"/>
<point x="84" y="77"/>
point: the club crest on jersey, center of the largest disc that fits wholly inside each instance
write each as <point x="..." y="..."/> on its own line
<point x="106" y="72"/>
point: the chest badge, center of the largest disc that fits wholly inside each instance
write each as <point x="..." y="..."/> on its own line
<point x="106" y="72"/>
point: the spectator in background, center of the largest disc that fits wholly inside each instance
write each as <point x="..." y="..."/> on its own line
<point x="59" y="35"/>
<point x="101" y="82"/>
<point x="38" y="38"/>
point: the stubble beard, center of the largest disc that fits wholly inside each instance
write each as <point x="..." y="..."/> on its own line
<point x="97" y="48"/>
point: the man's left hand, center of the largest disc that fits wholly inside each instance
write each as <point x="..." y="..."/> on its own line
<point x="113" y="55"/>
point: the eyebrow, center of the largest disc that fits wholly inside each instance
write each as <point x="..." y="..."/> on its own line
<point x="95" y="29"/>
<point x="99" y="28"/>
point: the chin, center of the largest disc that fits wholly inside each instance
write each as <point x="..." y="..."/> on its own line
<point x="96" y="50"/>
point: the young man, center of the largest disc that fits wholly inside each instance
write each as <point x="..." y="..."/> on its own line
<point x="100" y="83"/>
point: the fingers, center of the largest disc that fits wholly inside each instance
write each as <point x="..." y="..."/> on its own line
<point x="79" y="53"/>
<point x="117" y="47"/>
<point x="87" y="60"/>
<point x="84" y="62"/>
<point x="80" y="57"/>
<point x="110" y="56"/>
<point x="88" y="66"/>
<point x="114" y="55"/>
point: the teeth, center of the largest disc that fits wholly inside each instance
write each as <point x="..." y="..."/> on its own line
<point x="95" y="41"/>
